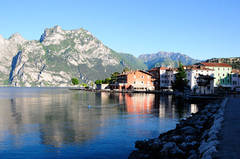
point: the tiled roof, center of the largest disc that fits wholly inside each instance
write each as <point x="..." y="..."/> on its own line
<point x="206" y="69"/>
<point x="164" y="68"/>
<point x="235" y="71"/>
<point x="216" y="64"/>
<point x="130" y="72"/>
<point x="158" y="68"/>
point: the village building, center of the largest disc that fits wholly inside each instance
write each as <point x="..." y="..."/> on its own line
<point x="222" y="73"/>
<point x="235" y="80"/>
<point x="200" y="73"/>
<point x="155" y="72"/>
<point x="164" y="77"/>
<point x="135" y="80"/>
<point x="167" y="77"/>
<point x="205" y="85"/>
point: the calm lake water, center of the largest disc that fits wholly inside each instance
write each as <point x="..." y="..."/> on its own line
<point x="59" y="123"/>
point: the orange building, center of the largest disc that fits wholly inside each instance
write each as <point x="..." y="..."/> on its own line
<point x="135" y="80"/>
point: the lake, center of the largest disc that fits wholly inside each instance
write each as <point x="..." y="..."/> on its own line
<point x="60" y="123"/>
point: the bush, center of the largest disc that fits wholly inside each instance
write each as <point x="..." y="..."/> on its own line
<point x="75" y="81"/>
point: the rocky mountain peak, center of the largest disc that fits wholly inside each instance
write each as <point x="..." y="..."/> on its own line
<point x="57" y="28"/>
<point x="52" y="35"/>
<point x="16" y="38"/>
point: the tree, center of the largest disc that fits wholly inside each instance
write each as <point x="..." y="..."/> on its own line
<point x="114" y="77"/>
<point x="98" y="82"/>
<point x="126" y="69"/>
<point x="84" y="84"/>
<point x="75" y="81"/>
<point x="180" y="82"/>
<point x="106" y="81"/>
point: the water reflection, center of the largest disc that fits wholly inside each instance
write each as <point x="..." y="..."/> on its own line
<point x="64" y="118"/>
<point x="137" y="103"/>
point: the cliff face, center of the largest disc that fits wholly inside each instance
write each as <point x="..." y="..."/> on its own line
<point x="8" y="49"/>
<point x="58" y="56"/>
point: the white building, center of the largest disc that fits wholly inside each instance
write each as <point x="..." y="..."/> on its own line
<point x="167" y="76"/>
<point x="236" y="80"/>
<point x="194" y="72"/>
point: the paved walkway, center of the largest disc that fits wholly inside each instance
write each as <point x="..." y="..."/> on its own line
<point x="230" y="143"/>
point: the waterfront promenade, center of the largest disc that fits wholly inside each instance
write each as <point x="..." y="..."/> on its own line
<point x="229" y="143"/>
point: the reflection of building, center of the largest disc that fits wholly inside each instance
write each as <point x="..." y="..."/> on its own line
<point x="139" y="103"/>
<point x="193" y="108"/>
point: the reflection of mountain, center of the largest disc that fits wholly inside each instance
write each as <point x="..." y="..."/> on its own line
<point x="62" y="117"/>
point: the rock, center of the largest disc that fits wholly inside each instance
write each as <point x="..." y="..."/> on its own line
<point x="193" y="154"/>
<point x="190" y="138"/>
<point x="141" y="144"/>
<point x="170" y="149"/>
<point x="188" y="130"/>
<point x="204" y="146"/>
<point x="193" y="138"/>
<point x="138" y="155"/>
<point x="177" y="139"/>
<point x="187" y="146"/>
<point x="209" y="153"/>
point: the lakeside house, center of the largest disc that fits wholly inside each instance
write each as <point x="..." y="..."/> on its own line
<point x="222" y="74"/>
<point x="235" y="80"/>
<point x="200" y="79"/>
<point x="203" y="78"/>
<point x="135" y="80"/>
<point x="204" y="85"/>
<point x="165" y="76"/>
<point x="155" y="72"/>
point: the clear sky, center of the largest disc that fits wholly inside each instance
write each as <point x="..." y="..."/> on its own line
<point x="199" y="28"/>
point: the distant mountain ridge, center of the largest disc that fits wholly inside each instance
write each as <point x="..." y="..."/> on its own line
<point x="166" y="59"/>
<point x="233" y="61"/>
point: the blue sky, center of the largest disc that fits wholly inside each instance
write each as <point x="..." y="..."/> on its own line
<point x="199" y="28"/>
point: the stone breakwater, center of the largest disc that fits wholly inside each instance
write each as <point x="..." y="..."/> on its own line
<point x="194" y="138"/>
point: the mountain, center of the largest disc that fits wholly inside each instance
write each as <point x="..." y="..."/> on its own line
<point x="58" y="56"/>
<point x="233" y="61"/>
<point x="166" y="59"/>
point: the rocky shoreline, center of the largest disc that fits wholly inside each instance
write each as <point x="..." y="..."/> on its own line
<point x="194" y="138"/>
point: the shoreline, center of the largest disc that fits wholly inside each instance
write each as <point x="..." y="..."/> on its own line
<point x="195" y="137"/>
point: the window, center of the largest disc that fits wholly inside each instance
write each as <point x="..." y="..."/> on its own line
<point x="142" y="82"/>
<point x="142" y="76"/>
